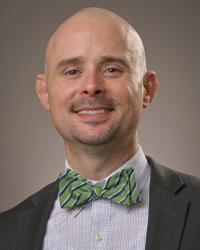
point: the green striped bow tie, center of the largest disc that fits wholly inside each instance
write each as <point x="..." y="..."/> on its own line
<point x="75" y="190"/>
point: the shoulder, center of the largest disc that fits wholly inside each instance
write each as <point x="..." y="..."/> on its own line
<point x="10" y="215"/>
<point x="169" y="178"/>
<point x="174" y="203"/>
<point x="24" y="219"/>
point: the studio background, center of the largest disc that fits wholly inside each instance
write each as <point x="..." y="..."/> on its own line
<point x="32" y="153"/>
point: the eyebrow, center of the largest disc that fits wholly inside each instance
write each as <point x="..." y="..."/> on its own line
<point x="66" y="61"/>
<point x="112" y="59"/>
<point x="104" y="59"/>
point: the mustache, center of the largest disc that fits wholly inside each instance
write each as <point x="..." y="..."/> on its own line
<point x="93" y="102"/>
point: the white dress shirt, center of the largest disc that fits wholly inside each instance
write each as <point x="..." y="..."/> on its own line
<point x="101" y="224"/>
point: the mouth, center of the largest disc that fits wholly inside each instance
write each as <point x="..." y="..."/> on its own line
<point x="94" y="115"/>
<point x="94" y="111"/>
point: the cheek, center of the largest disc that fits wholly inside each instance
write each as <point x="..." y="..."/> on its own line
<point x="134" y="108"/>
<point x="135" y="94"/>
<point x="60" y="94"/>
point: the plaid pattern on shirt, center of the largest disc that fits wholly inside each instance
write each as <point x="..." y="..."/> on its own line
<point x="103" y="225"/>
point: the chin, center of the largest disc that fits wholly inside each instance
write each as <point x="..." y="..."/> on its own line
<point x="97" y="138"/>
<point x="90" y="135"/>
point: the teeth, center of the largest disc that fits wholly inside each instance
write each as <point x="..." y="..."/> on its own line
<point x="93" y="112"/>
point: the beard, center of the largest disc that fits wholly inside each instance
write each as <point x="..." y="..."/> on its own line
<point x="91" y="135"/>
<point x="95" y="133"/>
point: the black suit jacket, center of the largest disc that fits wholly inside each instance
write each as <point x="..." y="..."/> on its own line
<point x="173" y="224"/>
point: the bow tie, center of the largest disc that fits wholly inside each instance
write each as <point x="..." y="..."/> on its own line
<point x="76" y="190"/>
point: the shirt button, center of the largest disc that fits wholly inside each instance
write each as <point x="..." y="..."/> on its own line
<point x="98" y="237"/>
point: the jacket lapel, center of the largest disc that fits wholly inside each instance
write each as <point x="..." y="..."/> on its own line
<point x="32" y="220"/>
<point x="167" y="209"/>
<point x="167" y="213"/>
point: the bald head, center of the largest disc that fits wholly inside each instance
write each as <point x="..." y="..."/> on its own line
<point x="105" y="25"/>
<point x="96" y="83"/>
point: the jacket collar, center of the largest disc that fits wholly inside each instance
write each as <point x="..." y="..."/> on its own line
<point x="32" y="220"/>
<point x="167" y="209"/>
<point x="167" y="212"/>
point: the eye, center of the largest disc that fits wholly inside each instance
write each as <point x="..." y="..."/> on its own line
<point x="112" y="72"/>
<point x="72" y="73"/>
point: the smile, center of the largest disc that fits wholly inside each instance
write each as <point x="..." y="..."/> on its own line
<point x="94" y="111"/>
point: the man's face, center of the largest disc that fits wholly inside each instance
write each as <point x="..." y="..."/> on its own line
<point x="94" y="94"/>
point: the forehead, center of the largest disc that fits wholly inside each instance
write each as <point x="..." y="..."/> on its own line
<point x="87" y="38"/>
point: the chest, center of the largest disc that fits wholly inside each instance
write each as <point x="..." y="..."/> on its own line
<point x="99" y="225"/>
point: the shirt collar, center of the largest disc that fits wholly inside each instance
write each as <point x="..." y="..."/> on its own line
<point x="140" y="165"/>
<point x="142" y="173"/>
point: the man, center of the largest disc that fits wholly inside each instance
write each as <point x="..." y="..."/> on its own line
<point x="110" y="195"/>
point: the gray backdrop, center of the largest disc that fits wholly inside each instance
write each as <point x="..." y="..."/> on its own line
<point x="32" y="153"/>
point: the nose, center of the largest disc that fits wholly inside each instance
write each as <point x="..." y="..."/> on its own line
<point x="92" y="85"/>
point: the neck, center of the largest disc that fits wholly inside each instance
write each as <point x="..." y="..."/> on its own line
<point x="99" y="161"/>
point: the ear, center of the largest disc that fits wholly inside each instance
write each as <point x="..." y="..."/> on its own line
<point x="42" y="90"/>
<point x="150" y="87"/>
